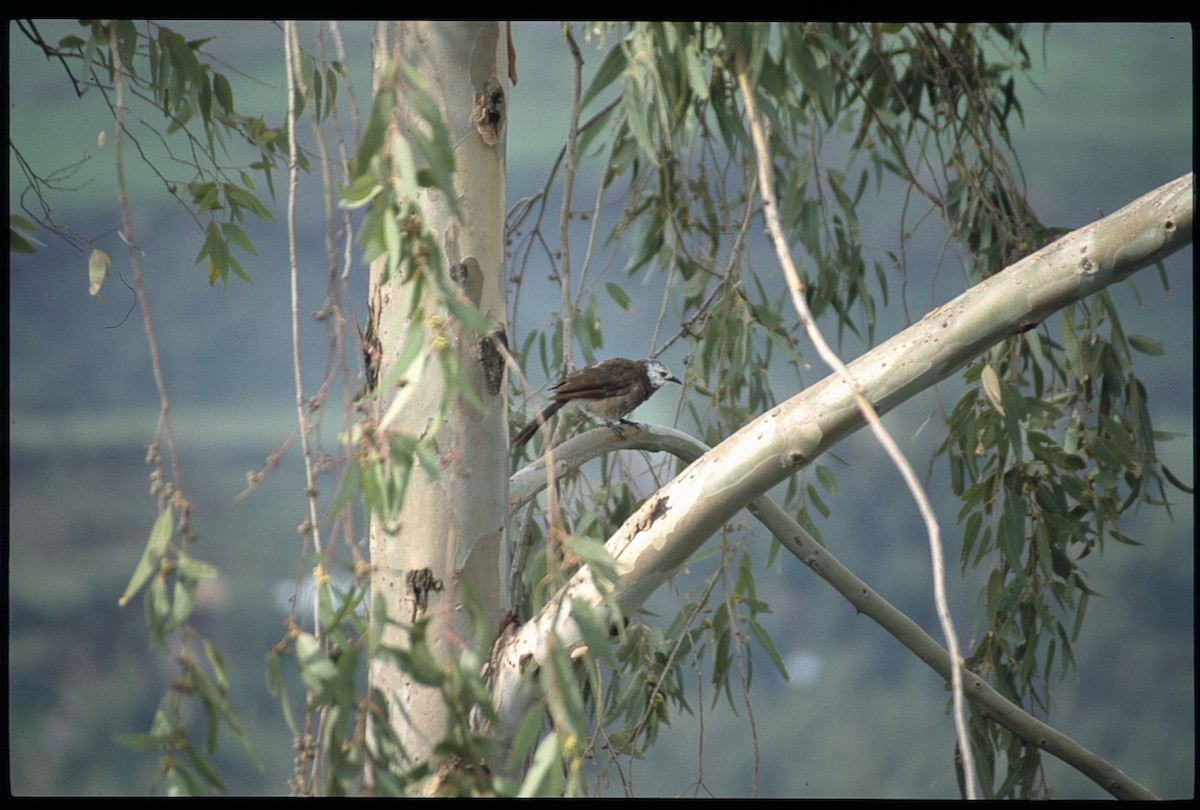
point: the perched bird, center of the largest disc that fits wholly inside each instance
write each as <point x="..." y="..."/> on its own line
<point x="607" y="390"/>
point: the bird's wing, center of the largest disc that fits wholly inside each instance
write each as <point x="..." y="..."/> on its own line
<point x="591" y="383"/>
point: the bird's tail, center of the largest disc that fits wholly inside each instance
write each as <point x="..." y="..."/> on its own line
<point x="527" y="432"/>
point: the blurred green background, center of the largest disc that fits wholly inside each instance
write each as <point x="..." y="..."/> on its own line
<point x="1110" y="118"/>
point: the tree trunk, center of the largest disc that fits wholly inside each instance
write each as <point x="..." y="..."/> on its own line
<point x="450" y="529"/>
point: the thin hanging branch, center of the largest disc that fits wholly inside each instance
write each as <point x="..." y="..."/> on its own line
<point x="796" y="288"/>
<point x="311" y="525"/>
<point x="164" y="427"/>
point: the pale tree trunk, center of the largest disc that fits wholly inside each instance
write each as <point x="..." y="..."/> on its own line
<point x="449" y="530"/>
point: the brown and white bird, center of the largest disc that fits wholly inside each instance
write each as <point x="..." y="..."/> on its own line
<point x="607" y="390"/>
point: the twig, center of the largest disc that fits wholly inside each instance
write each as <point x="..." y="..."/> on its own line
<point x="796" y="288"/>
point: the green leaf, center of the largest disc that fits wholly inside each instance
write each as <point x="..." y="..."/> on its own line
<point x="157" y="612"/>
<point x="593" y="128"/>
<point x="18" y="239"/>
<point x="240" y="198"/>
<point x="545" y="774"/>
<point x="765" y="641"/>
<point x="183" y="597"/>
<point x="815" y="497"/>
<point x="194" y="569"/>
<point x="204" y="768"/>
<point x="359" y="193"/>
<point x="619" y="295"/>
<point x="331" y="87"/>
<point x="152" y="555"/>
<point x="238" y="237"/>
<point x="205" y="196"/>
<point x="236" y="267"/>
<point x="223" y="92"/>
<point x="697" y="80"/>
<point x="1175" y="481"/>
<point x="528" y="732"/>
<point x="137" y="742"/>
<point x="217" y="252"/>
<point x="217" y="662"/>
<point x="127" y="43"/>
<point x="595" y="628"/>
<point x="1146" y="345"/>
<point x="376" y="127"/>
<point x="649" y="243"/>
<point x="205" y="100"/>
<point x="277" y="686"/>
<point x="391" y="241"/>
<point x="422" y="666"/>
<point x="563" y="696"/>
<point x="610" y="69"/>
<point x="827" y="478"/>
<point x="349" y="485"/>
<point x="1011" y="530"/>
<point x="316" y="670"/>
<point x="434" y="145"/>
<point x="635" y="116"/>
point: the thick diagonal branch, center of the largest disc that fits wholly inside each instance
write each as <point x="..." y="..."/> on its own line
<point x="680" y="517"/>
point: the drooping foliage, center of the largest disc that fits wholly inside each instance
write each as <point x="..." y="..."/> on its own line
<point x="1045" y="453"/>
<point x="1049" y="444"/>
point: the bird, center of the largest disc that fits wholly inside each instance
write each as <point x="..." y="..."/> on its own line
<point x="608" y="390"/>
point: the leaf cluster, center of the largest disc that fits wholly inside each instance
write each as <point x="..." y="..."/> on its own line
<point x="166" y="78"/>
<point x="1046" y="453"/>
<point x="1049" y="447"/>
<point x="172" y="577"/>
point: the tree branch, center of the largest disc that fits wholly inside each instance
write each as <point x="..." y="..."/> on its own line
<point x="865" y="600"/>
<point x="766" y="181"/>
<point x="673" y="523"/>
